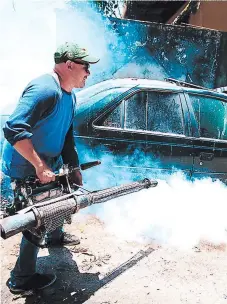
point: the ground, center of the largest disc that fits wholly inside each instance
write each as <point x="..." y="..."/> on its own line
<point x="106" y="270"/>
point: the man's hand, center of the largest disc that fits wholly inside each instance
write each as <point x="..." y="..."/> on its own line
<point x="44" y="173"/>
<point x="76" y="177"/>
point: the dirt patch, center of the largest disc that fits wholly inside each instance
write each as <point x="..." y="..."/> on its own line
<point x="104" y="269"/>
<point x="207" y="246"/>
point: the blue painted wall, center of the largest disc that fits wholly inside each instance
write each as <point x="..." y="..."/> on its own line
<point x="145" y="49"/>
<point x="154" y="50"/>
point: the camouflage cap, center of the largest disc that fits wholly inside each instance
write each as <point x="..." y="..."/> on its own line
<point x="71" y="51"/>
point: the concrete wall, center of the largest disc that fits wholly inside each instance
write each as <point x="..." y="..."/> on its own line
<point x="212" y="15"/>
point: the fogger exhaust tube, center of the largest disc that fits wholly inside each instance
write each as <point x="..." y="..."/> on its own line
<point x="101" y="196"/>
<point x="72" y="203"/>
<point x="17" y="223"/>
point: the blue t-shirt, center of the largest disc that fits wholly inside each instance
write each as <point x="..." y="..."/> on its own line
<point x="44" y="114"/>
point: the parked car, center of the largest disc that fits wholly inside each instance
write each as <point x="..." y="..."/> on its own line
<point x="153" y="128"/>
<point x="140" y="127"/>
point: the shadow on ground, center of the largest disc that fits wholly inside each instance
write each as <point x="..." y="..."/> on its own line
<point x="71" y="285"/>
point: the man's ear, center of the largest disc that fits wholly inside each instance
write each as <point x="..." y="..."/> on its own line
<point x="69" y="64"/>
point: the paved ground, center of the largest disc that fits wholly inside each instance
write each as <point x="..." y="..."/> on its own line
<point x="104" y="269"/>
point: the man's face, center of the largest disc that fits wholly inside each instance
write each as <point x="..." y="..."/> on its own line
<point x="79" y="73"/>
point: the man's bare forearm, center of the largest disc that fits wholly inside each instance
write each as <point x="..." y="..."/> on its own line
<point x="27" y="150"/>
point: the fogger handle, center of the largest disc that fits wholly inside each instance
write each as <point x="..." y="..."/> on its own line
<point x="17" y="223"/>
<point x="89" y="165"/>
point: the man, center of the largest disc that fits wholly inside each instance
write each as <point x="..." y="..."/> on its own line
<point x="39" y="137"/>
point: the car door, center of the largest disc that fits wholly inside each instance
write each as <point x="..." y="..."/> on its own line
<point x="209" y="117"/>
<point x="120" y="136"/>
<point x="127" y="133"/>
<point x="168" y="146"/>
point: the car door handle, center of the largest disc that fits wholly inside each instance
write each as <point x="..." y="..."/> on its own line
<point x="206" y="156"/>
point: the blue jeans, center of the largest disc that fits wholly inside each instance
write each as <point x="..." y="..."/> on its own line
<point x="26" y="263"/>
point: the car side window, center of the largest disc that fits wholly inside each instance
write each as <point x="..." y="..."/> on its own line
<point x="135" y="112"/>
<point x="130" y="114"/>
<point x="165" y="113"/>
<point x="211" y="116"/>
<point x="148" y="111"/>
<point x="114" y="119"/>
